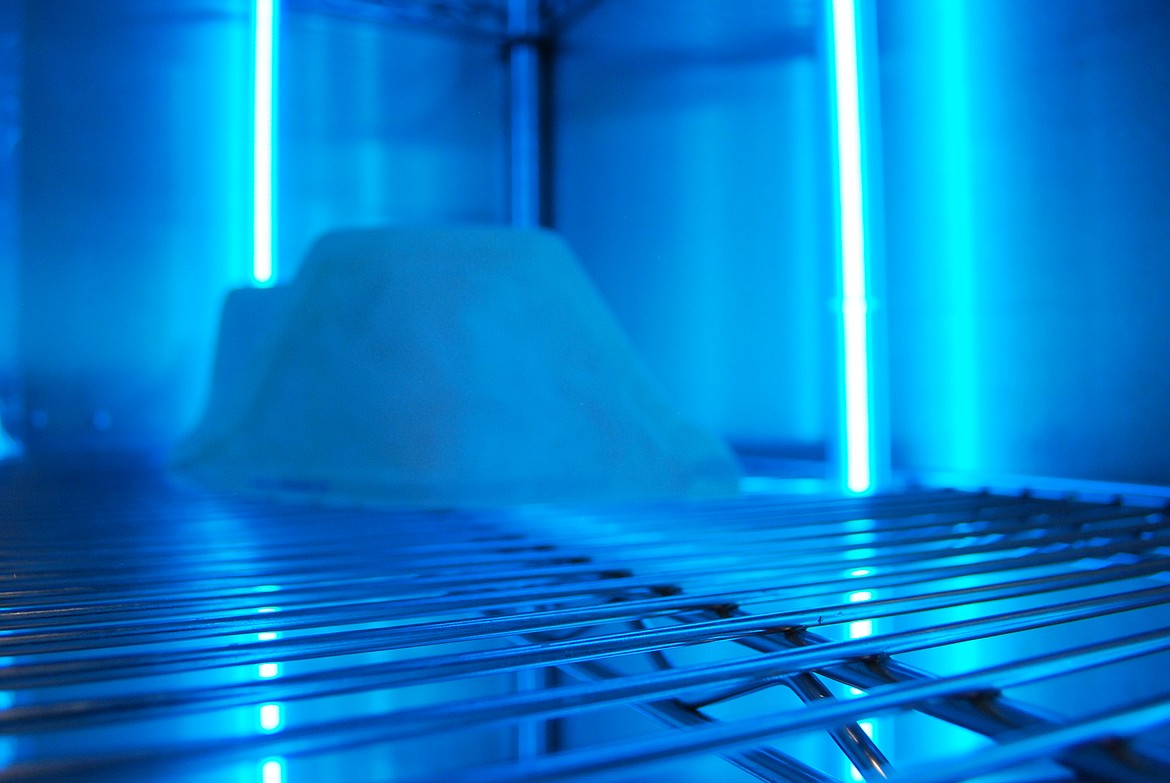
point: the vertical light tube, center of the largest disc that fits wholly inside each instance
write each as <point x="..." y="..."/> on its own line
<point x="858" y="449"/>
<point x="264" y="141"/>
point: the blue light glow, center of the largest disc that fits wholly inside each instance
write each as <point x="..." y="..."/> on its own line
<point x="263" y="146"/>
<point x="951" y="28"/>
<point x="859" y="629"/>
<point x="854" y="294"/>
<point x="867" y="727"/>
<point x="272" y="771"/>
<point x="7" y="744"/>
<point x="9" y="446"/>
<point x="271" y="717"/>
<point x="266" y="671"/>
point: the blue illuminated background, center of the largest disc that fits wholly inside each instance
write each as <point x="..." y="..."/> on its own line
<point x="692" y="173"/>
<point x="1020" y="180"/>
<point x="1026" y="153"/>
<point x="134" y="214"/>
<point x="137" y="188"/>
<point x="1020" y="174"/>
<point x="11" y="23"/>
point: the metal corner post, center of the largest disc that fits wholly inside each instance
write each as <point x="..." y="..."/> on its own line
<point x="525" y="113"/>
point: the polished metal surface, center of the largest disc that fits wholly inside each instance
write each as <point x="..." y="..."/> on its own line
<point x="479" y="18"/>
<point x="151" y="631"/>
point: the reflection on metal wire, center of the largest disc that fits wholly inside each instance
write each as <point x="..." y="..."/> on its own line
<point x="742" y="626"/>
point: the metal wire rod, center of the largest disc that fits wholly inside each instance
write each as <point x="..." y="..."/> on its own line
<point x="399" y="637"/>
<point x="567" y="699"/>
<point x="819" y="656"/>
<point x="434" y="633"/>
<point x="1036" y="745"/>
<point x="571" y="588"/>
<point x="857" y="746"/>
<point x="630" y="541"/>
<point x="765" y="764"/>
<point x="986" y="712"/>
<point x="743" y="733"/>
<point x="28" y="616"/>
<point x="456" y="528"/>
<point x="75" y="636"/>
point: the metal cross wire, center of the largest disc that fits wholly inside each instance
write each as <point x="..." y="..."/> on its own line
<point x="138" y="614"/>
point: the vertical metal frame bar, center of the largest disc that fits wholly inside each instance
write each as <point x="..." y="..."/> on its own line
<point x="524" y="64"/>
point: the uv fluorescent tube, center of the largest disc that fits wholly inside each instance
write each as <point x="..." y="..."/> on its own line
<point x="263" y="141"/>
<point x="854" y="294"/>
